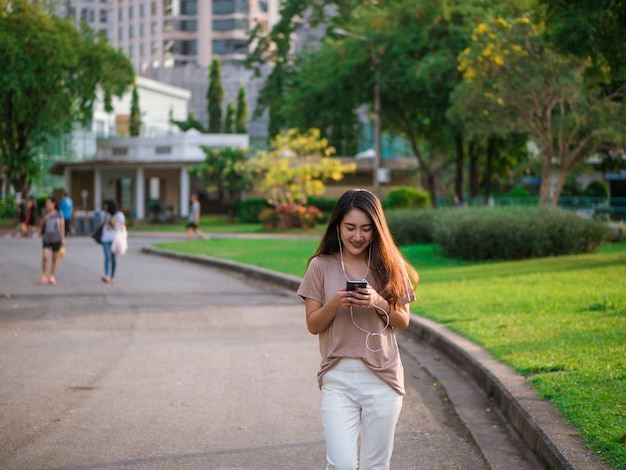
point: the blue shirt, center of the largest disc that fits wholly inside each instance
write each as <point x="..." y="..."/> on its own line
<point x="66" y="205"/>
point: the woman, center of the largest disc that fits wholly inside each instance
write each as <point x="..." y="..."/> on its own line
<point x="114" y="220"/>
<point x="53" y="235"/>
<point x="361" y="374"/>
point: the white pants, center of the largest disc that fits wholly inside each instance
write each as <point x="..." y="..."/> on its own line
<point x="354" y="400"/>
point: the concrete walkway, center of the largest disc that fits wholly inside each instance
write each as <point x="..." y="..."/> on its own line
<point x="180" y="366"/>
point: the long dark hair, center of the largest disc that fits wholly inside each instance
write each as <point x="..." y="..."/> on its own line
<point x="385" y="253"/>
<point x="110" y="206"/>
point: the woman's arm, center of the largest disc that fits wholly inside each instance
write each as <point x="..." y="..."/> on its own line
<point x="319" y="316"/>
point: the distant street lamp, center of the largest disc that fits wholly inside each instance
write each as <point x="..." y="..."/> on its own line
<point x="377" y="157"/>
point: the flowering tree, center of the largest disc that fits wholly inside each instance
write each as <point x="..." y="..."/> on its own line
<point x="513" y="81"/>
<point x="296" y="167"/>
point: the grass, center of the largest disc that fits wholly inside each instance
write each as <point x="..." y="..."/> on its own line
<point x="559" y="321"/>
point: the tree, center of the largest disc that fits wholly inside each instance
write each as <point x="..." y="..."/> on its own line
<point x="51" y="73"/>
<point x="135" y="114"/>
<point x="215" y="96"/>
<point x="225" y="172"/>
<point x="519" y="83"/>
<point x="242" y="110"/>
<point x="229" y="120"/>
<point x="295" y="168"/>
<point x="190" y="123"/>
<point x="588" y="29"/>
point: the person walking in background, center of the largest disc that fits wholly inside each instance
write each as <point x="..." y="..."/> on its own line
<point x="28" y="224"/>
<point x="194" y="219"/>
<point x="67" y="207"/>
<point x="53" y="235"/>
<point x="113" y="221"/>
<point x="357" y="289"/>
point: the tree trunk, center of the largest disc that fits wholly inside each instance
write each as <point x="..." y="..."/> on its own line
<point x="491" y="150"/>
<point x="474" y="176"/>
<point x="458" y="174"/>
<point x="546" y="170"/>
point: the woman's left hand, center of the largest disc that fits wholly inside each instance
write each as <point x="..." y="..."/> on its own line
<point x="365" y="297"/>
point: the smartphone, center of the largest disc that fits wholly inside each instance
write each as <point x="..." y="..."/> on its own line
<point x="352" y="285"/>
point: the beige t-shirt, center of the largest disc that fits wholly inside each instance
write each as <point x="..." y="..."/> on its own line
<point x="324" y="277"/>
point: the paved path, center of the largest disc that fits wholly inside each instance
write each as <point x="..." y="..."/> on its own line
<point x="179" y="366"/>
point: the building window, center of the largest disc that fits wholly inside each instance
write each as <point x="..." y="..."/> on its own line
<point x="120" y="34"/>
<point x="189" y="7"/>
<point x="120" y="14"/>
<point x="154" y="8"/>
<point x="225" y="7"/>
<point x="230" y="24"/>
<point x="182" y="47"/>
<point x="142" y="30"/>
<point x="230" y="46"/>
<point x="120" y="151"/>
<point x="142" y="10"/>
<point x="142" y="49"/>
<point x="131" y="12"/>
<point x="263" y="5"/>
<point x="131" y="51"/>
<point x="153" y="28"/>
<point x="163" y="150"/>
<point x="131" y="31"/>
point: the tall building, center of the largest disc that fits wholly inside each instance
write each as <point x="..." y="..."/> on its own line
<point x="172" y="33"/>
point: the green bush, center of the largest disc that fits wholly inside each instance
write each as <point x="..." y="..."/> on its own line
<point x="406" y="197"/>
<point x="597" y="189"/>
<point x="248" y="211"/>
<point x="8" y="207"/>
<point x="490" y="233"/>
<point x="411" y="227"/>
<point x="519" y="191"/>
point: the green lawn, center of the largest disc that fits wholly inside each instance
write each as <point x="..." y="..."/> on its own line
<point x="559" y="321"/>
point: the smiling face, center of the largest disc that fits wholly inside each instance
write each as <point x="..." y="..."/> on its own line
<point x="357" y="231"/>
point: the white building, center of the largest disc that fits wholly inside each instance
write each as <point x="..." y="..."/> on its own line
<point x="137" y="170"/>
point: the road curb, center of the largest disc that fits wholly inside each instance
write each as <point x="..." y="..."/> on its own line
<point x="550" y="439"/>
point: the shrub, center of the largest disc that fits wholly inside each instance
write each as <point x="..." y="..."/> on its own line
<point x="519" y="191"/>
<point x="410" y="227"/>
<point x="597" y="189"/>
<point x="8" y="207"/>
<point x="406" y="197"/>
<point x="516" y="233"/>
<point x="248" y="211"/>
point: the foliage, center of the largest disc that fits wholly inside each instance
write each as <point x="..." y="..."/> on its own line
<point x="225" y="172"/>
<point x="291" y="215"/>
<point x="229" y="120"/>
<point x="190" y="123"/>
<point x="514" y="82"/>
<point x="519" y="191"/>
<point x="597" y="189"/>
<point x="295" y="168"/>
<point x="8" y="206"/>
<point x="406" y="197"/>
<point x="214" y="97"/>
<point x="241" y="116"/>
<point x="49" y="75"/>
<point x="135" y="114"/>
<point x="588" y="29"/>
<point x="410" y="227"/>
<point x="516" y="233"/>
<point x="249" y="210"/>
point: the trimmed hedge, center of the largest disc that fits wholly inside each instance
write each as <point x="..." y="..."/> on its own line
<point x="411" y="227"/>
<point x="406" y="197"/>
<point x="490" y="233"/>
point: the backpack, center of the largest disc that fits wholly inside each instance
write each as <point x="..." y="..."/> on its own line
<point x="51" y="232"/>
